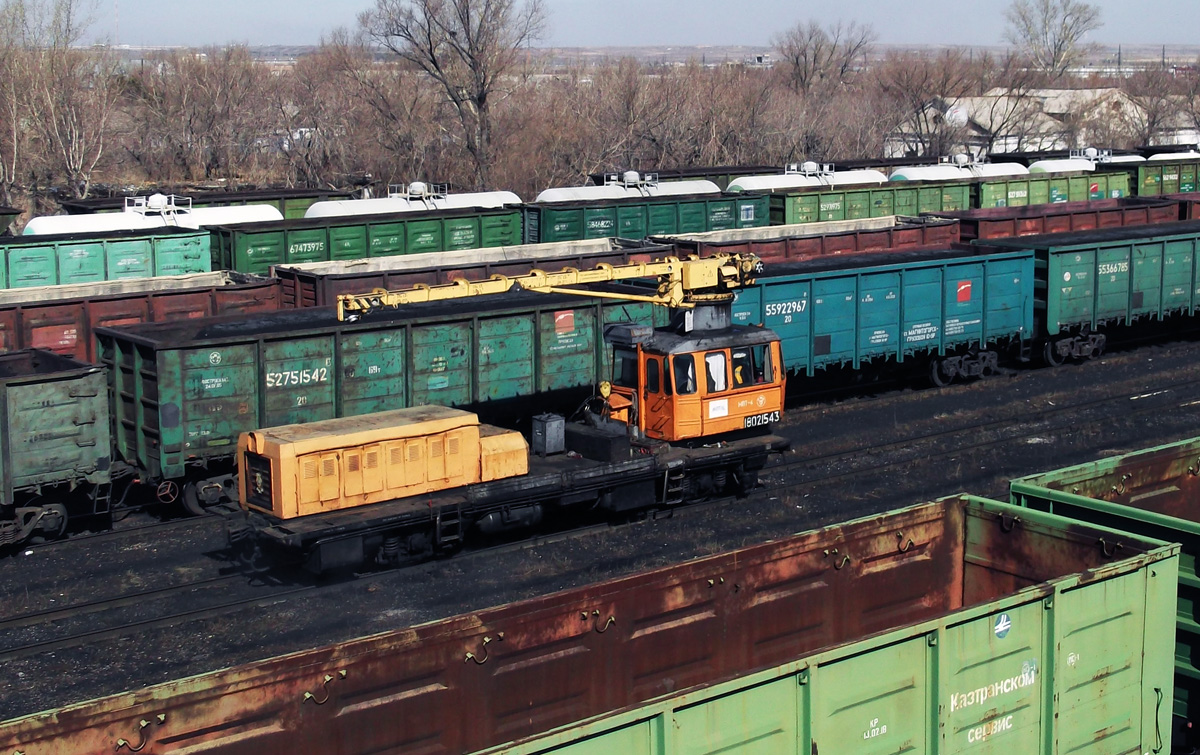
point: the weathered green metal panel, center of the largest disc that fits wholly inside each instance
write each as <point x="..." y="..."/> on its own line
<point x="883" y="202"/>
<point x="256" y="251"/>
<point x="956" y="197"/>
<point x="299" y="378"/>
<point x="759" y="721"/>
<point x="832" y="206"/>
<point x="994" y="677"/>
<point x="462" y="233"/>
<point x="1071" y="296"/>
<point x="1039" y="190"/>
<point x="631" y="221"/>
<point x="993" y="194"/>
<point x="422" y="236"/>
<point x="307" y="245"/>
<point x="55" y="423"/>
<point x="1187" y="177"/>
<point x="348" y="242"/>
<point x="81" y="262"/>
<point x="442" y="361"/>
<point x="208" y="397"/>
<point x="722" y="215"/>
<point x="567" y="350"/>
<point x="385" y="239"/>
<point x="906" y="200"/>
<point x="1147" y="272"/>
<point x="1059" y="189"/>
<point x="802" y="208"/>
<point x="1179" y="257"/>
<point x="875" y="703"/>
<point x="130" y="259"/>
<point x="506" y="358"/>
<point x="1074" y="664"/>
<point x="181" y="254"/>
<point x="663" y="219"/>
<point x="754" y="212"/>
<point x="599" y="222"/>
<point x="693" y="217"/>
<point x="930" y="199"/>
<point x="30" y="266"/>
<point x="372" y="372"/>
<point x="878" y="314"/>
<point x="858" y="204"/>
<point x="1151" y="493"/>
<point x="500" y="228"/>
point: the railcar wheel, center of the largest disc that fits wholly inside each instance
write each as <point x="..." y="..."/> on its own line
<point x="938" y="375"/>
<point x="191" y="500"/>
<point x="1053" y="356"/>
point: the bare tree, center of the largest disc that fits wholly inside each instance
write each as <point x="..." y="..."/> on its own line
<point x="203" y="114"/>
<point x="14" y="94"/>
<point x="816" y="57"/>
<point x="922" y="89"/>
<point x="468" y="46"/>
<point x="73" y="92"/>
<point x="1159" y="104"/>
<point x="1051" y="32"/>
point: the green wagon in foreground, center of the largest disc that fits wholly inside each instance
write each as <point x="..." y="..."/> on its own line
<point x="1155" y="493"/>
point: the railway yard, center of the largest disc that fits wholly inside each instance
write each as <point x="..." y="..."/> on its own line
<point x="162" y="598"/>
<point x="360" y="455"/>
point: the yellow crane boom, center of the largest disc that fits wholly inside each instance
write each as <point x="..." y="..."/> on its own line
<point x="682" y="283"/>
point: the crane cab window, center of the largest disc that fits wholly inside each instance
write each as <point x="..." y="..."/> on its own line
<point x="684" y="374"/>
<point x="625" y="370"/>
<point x="716" y="370"/>
<point x="653" y="375"/>
<point x="751" y="366"/>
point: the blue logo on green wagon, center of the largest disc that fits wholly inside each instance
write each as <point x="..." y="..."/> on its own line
<point x="1003" y="626"/>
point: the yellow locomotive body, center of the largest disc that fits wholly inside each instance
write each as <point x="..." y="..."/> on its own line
<point x="297" y="470"/>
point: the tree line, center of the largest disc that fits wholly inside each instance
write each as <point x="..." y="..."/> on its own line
<point x="453" y="92"/>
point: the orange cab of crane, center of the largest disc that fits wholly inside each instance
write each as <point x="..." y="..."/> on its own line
<point x="682" y="387"/>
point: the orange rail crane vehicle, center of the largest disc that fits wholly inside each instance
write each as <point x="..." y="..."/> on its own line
<point x="686" y="414"/>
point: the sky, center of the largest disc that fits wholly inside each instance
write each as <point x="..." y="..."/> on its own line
<point x="576" y="23"/>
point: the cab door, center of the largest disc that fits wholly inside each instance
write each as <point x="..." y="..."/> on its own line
<point x="686" y="375"/>
<point x="658" y="418"/>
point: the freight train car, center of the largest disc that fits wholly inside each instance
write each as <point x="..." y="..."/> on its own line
<point x="1152" y="493"/>
<point x="1063" y="666"/>
<point x="635" y="206"/>
<point x="291" y="203"/>
<point x="183" y="392"/>
<point x="1067" y="217"/>
<point x="54" y="444"/>
<point x="50" y="260"/>
<point x="947" y="311"/>
<point x="933" y="188"/>
<point x="63" y="319"/>
<point x="795" y="243"/>
<point x="982" y="627"/>
<point x="254" y="248"/>
<point x="1095" y="281"/>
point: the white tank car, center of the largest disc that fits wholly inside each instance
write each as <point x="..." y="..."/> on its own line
<point x="417" y="198"/>
<point x="146" y="213"/>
